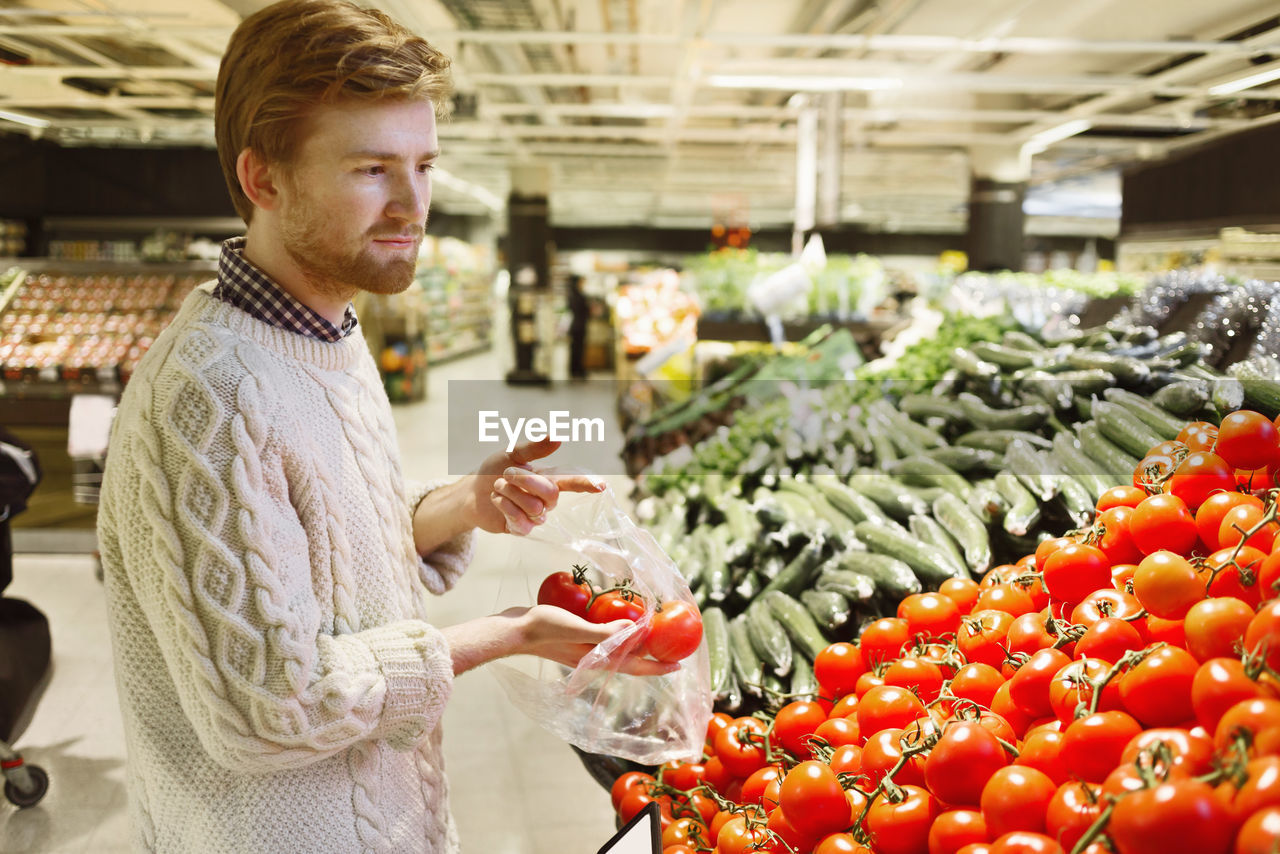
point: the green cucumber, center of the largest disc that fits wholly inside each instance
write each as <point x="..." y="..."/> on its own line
<point x="853" y="504"/>
<point x="822" y="508"/>
<point x="1183" y="398"/>
<point x="986" y="503"/>
<point x="929" y="530"/>
<point x="829" y="608"/>
<point x="1124" y="429"/>
<point x="797" y="622"/>
<point x="748" y="586"/>
<point x="1075" y="462"/>
<point x="1025" y="463"/>
<point x="1260" y="389"/>
<point x="1006" y="357"/>
<point x="804" y="685"/>
<point x="998" y="440"/>
<point x="929" y="564"/>
<point x="954" y="515"/>
<point x="853" y="586"/>
<point x="1130" y="371"/>
<point x="768" y="638"/>
<point x="1227" y="395"/>
<point x="798" y="574"/>
<point x="892" y="497"/>
<point x="746" y="663"/>
<point x="921" y="406"/>
<point x="1115" y="462"/>
<point x="893" y="578"/>
<point x="1021" y="340"/>
<point x="965" y="460"/>
<point x="1024" y="510"/>
<point x="967" y="363"/>
<point x="1164" y="424"/>
<point x="925" y="471"/>
<point x="715" y="628"/>
<point x="1027" y="417"/>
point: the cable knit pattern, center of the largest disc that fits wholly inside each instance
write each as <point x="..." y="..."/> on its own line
<point x="280" y="684"/>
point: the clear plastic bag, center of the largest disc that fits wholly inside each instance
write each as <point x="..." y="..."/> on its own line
<point x="595" y="706"/>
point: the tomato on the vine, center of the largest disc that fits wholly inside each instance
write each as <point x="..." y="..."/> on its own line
<point x="1042" y="749"/>
<point x="1015" y="798"/>
<point x="922" y="677"/>
<point x="1190" y="755"/>
<point x="1106" y="602"/>
<point x="1163" y="522"/>
<point x="837" y="669"/>
<point x="1073" y="572"/>
<point x="1199" y="476"/>
<point x="1073" y="685"/>
<point x="1008" y="597"/>
<point x="1214" y="626"/>
<point x="1239" y="521"/>
<point x="563" y="590"/>
<point x="795" y="722"/>
<point x="888" y="707"/>
<point x="982" y="635"/>
<point x="1263" y="634"/>
<point x="977" y="682"/>
<point x="884" y="639"/>
<point x="1120" y="496"/>
<point x="1260" y="834"/>
<point x="1209" y="516"/>
<point x="1026" y="842"/>
<point x="963" y="591"/>
<point x="675" y="631"/>
<point x="1029" y="687"/>
<point x="902" y="827"/>
<point x="1071" y="812"/>
<point x="1199" y="436"/>
<point x="625" y="783"/>
<point x="1157" y="690"/>
<point x="813" y="799"/>
<point x="930" y="614"/>
<point x="1246" y="718"/>
<point x="962" y="761"/>
<point x="1219" y="684"/>
<point x="1179" y="815"/>
<point x="954" y="829"/>
<point x="1248" y="440"/>
<point x="1092" y="745"/>
<point x="1116" y="541"/>
<point x="1167" y="584"/>
<point x="740" y="746"/>
<point x="615" y="605"/>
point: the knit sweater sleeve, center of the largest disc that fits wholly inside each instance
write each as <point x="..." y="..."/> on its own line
<point x="196" y="519"/>
<point x="441" y="569"/>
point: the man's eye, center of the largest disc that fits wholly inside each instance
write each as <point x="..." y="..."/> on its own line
<point x="425" y="167"/>
<point x="373" y="170"/>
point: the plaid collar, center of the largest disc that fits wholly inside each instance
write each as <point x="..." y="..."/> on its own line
<point x="249" y="289"/>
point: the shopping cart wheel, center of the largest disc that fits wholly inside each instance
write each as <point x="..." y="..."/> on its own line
<point x="21" y="799"/>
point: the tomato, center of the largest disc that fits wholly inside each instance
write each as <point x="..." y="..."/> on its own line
<point x="1160" y="630"/>
<point x="1002" y="704"/>
<point x="887" y="707"/>
<point x="1247" y="717"/>
<point x="813" y="799"/>
<point x="1028" y="635"/>
<point x="930" y="614"/>
<point x="981" y="636"/>
<point x="704" y="806"/>
<point x="1200" y="475"/>
<point x="1072" y="810"/>
<point x="963" y="591"/>
<point x="977" y="682"/>
<point x="1163" y="522"/>
<point x="1072" y="686"/>
<point x="1116" y="541"/>
<point x="922" y="677"/>
<point x="1181" y="815"/>
<point x="837" y="669"/>
<point x="1263" y="634"/>
<point x="675" y="631"/>
<point x="615" y="605"/>
<point x="1106" y="602"/>
<point x="962" y="761"/>
<point x="884" y="639"/>
<point x="1239" y="521"/>
<point x="1214" y="627"/>
<point x="1269" y="576"/>
<point x="839" y="843"/>
<point x="794" y="723"/>
<point x="902" y="827"/>
<point x="1109" y="639"/>
<point x="563" y="591"/>
<point x="683" y="831"/>
<point x="844" y="707"/>
<point x="1007" y="597"/>
<point x="718" y="721"/>
<point x="1248" y="440"/>
<point x="1073" y="572"/>
<point x="975" y="848"/>
<point x="735" y="837"/>
<point x="955" y="829"/>
<point x="941" y="654"/>
<point x="866" y="682"/>
<point x="716" y="776"/>
<point x="635" y="799"/>
<point x="846" y="759"/>
<point x="1041" y="749"/>
<point x="626" y="783"/>
<point x="1261" y="787"/>
<point x="1122" y="576"/>
<point x="838" y="732"/>
<point x="683" y="775"/>
<point x="1199" y="436"/>
<point x="1209" y="515"/>
<point x="1190" y="755"/>
<point x="1024" y="842"/>
<point x="754" y="787"/>
<point x="882" y="752"/>
<point x="1167" y="585"/>
<point x="740" y="746"/>
<point x="1221" y="573"/>
<point x="1045" y="549"/>
<point x="1092" y="745"/>
<point x="1015" y="798"/>
<point x="1120" y="496"/>
<point x="1157" y="690"/>
<point x="1029" y="687"/>
<point x="1260" y="833"/>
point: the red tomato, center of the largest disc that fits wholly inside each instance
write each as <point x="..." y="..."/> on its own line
<point x="717" y="776"/>
<point x="962" y="761"/>
<point x="675" y="631"/>
<point x="1072" y="810"/>
<point x="1117" y="541"/>
<point x="1163" y="522"/>
<point x="1073" y="572"/>
<point x="735" y="837"/>
<point x="1167" y="584"/>
<point x="1015" y="798"/>
<point x="1190" y="755"/>
<point x="1248" y="440"/>
<point x="963" y="591"/>
<point x="1107" y="602"/>
<point x="1263" y="634"/>
<point x="1109" y="639"/>
<point x="883" y="751"/>
<point x="887" y="707"/>
<point x="1157" y="691"/>
<point x="1120" y="496"/>
<point x="1256" y="480"/>
<point x="1261" y="788"/>
<point x="982" y="636"/>
<point x="1199" y="436"/>
<point x="839" y="843"/>
<point x="1200" y="475"/>
<point x="1029" y="687"/>
<point x="1160" y="630"/>
<point x="615" y="605"/>
<point x="1092" y="745"/>
<point x="837" y="669"/>
<point x="1248" y="717"/>
<point x="1048" y="547"/>
<point x="902" y="827"/>
<point x="1007" y="597"/>
<point x="1182" y="815"/>
<point x="683" y="832"/>
<point x="560" y="589"/>
<point x="1222" y="576"/>
<point x="1002" y="704"/>
<point x="977" y="682"/>
<point x="1269" y="576"/>
<point x="1041" y="749"/>
<point x="1239" y="521"/>
<point x="683" y="775"/>
<point x="794" y="723"/>
<point x="930" y="614"/>
<point x="1024" y="842"/>
<point x="1073" y="684"/>
<point x="813" y="799"/>
<point x="1219" y="684"/>
<point x="866" y="682"/>
<point x="1028" y="635"/>
<point x="1260" y="833"/>
<point x="626" y="783"/>
<point x="755" y="786"/>
<point x="847" y="759"/>
<point x="1122" y="576"/>
<point x="1209" y="516"/>
<point x="838" y="732"/>
<point x="924" y="678"/>
<point x="844" y="707"/>
<point x="955" y="829"/>
<point x="884" y="639"/>
<point x="740" y="746"/>
<point x="1214" y="627"/>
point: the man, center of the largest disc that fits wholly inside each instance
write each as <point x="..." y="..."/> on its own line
<point x="280" y="683"/>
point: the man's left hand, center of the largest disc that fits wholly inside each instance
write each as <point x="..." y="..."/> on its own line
<point x="510" y="496"/>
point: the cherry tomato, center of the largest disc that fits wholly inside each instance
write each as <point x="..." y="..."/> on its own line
<point x="1116" y="541"/>
<point x="981" y="636"/>
<point x="883" y="751"/>
<point x="683" y="832"/>
<point x="1209" y="515"/>
<point x="1269" y="576"/>
<point x="962" y="761"/>
<point x="1075" y="571"/>
<point x="1263" y="633"/>
<point x="1215" y="626"/>
<point x="1200" y="475"/>
<point x="902" y="827"/>
<point x="1219" y="684"/>
<point x="838" y="732"/>
<point x="626" y="783"/>
<point x="839" y="843"/>
<point x="1221" y="573"/>
<point x="717" y="776"/>
<point x="560" y="589"/>
<point x="675" y="631"/>
<point x="1107" y="602"/>
<point x="1073" y="684"/>
<point x="813" y="799"/>
<point x="615" y="605"/>
<point x="888" y="707"/>
<point x="837" y="669"/>
<point x="1092" y="745"/>
<point x="1167" y="584"/>
<point x="977" y="682"/>
<point x="1199" y="436"/>
<point x="735" y="837"/>
<point x="1120" y="496"/>
<point x="1261" y="787"/>
<point x="846" y="759"/>
<point x="1109" y="639"/>
<point x="963" y="591"/>
<point x="1160" y="630"/>
<point x="755" y="786"/>
<point x="866" y="682"/>
<point x="1029" y="687"/>
<point x="955" y="829"/>
<point x="884" y="639"/>
<point x="1007" y="597"/>
<point x="1180" y="815"/>
<point x="1248" y="440"/>
<point x="1260" y="833"/>
<point x="1157" y="691"/>
<point x="683" y="775"/>
<point x="1239" y="521"/>
<point x="1190" y="755"/>
<point x="1041" y="749"/>
<point x="923" y="678"/>
<point x="794" y="723"/>
<point x="1163" y="522"/>
<point x="1015" y="798"/>
<point x="1027" y="636"/>
<point x="1002" y="704"/>
<point x="1072" y="810"/>
<point x="1247" y="717"/>
<point x="740" y="746"/>
<point x="929" y="614"/>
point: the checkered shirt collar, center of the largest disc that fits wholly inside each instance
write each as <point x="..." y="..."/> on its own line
<point x="249" y="289"/>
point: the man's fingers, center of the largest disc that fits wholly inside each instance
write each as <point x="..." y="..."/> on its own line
<point x="578" y="482"/>
<point x="528" y="504"/>
<point x="540" y="486"/>
<point x="649" y="667"/>
<point x="518" y="521"/>
<point x="530" y="451"/>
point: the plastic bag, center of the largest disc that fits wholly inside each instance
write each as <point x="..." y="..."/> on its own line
<point x="595" y="707"/>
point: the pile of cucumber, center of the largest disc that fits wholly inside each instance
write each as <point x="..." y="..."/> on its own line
<point x="817" y="526"/>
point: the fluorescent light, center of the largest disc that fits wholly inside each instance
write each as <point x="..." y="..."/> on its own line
<point x="803" y="83"/>
<point x="1249" y="82"/>
<point x="1046" y="138"/>
<point x="20" y="119"/>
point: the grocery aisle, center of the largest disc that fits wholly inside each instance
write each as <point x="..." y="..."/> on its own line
<point x="516" y="789"/>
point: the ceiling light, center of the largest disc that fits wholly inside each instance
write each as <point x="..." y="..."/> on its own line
<point x="803" y="83"/>
<point x="1256" y="79"/>
<point x="20" y="119"/>
<point x="1046" y="138"/>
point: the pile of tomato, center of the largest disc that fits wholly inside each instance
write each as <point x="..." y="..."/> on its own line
<point x="1116" y="691"/>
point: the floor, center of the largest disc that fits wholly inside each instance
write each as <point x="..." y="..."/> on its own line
<point x="516" y="788"/>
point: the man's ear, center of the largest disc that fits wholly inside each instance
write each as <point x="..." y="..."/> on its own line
<point x="257" y="180"/>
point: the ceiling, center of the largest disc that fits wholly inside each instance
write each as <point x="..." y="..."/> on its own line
<point x="677" y="113"/>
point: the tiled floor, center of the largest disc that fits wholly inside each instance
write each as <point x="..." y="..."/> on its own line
<point x="516" y="789"/>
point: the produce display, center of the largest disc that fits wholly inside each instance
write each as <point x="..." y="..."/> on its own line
<point x="848" y="285"/>
<point x="1110" y="689"/>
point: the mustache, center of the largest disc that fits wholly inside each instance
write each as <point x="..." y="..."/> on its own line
<point x="413" y="234"/>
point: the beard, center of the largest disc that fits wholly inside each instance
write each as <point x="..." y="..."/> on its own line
<point x="341" y="266"/>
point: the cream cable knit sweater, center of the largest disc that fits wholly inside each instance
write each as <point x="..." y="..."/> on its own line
<point x="281" y="687"/>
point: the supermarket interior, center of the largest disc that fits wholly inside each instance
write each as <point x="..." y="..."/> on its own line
<point x="863" y="305"/>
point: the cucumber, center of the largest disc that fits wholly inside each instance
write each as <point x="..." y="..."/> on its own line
<point x="798" y="508"/>
<point x="1227" y="395"/>
<point x="985" y="502"/>
<point x="1122" y="428"/>
<point x="1183" y="398"/>
<point x="1024" y="510"/>
<point x="893" y="578"/>
<point x="1021" y="340"/>
<point x="746" y="664"/>
<point x="747" y="587"/>
<point x="998" y="440"/>
<point x="1164" y="424"/>
<point x="1027" y="417"/>
<point x="800" y="571"/>
<point x="743" y="527"/>
<point x="928" y="472"/>
<point x="829" y="608"/>
<point x="929" y="530"/>
<point x="1260" y="388"/>
<point x="921" y="406"/>
<point x="848" y="501"/>
<point x="804" y="685"/>
<point x="822" y="508"/>
<point x="966" y="460"/>
<point x="929" y="564"/>
<point x="797" y="622"/>
<point x="967" y="363"/>
<point x="731" y="696"/>
<point x="1022" y="460"/>
<point x="1073" y="460"/>
<point x="890" y="495"/>
<point x="1115" y="462"/>
<point x="1131" y="372"/>
<point x="1006" y="357"/>
<point x="853" y="586"/>
<point x="954" y="515"/>
<point x="715" y="628"/>
<point x="716" y="573"/>
<point x="768" y="638"/>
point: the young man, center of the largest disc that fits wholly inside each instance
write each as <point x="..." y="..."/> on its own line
<point x="265" y="561"/>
